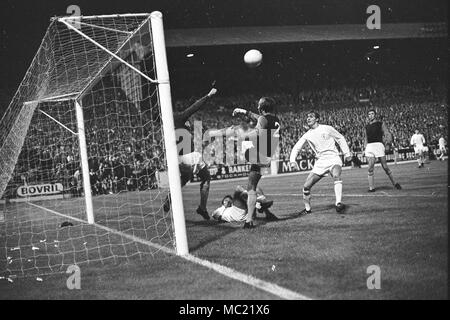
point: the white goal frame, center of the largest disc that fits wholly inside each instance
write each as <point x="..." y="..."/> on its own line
<point x="155" y="20"/>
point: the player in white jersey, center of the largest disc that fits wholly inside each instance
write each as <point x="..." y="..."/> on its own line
<point x="442" y="148"/>
<point x="322" y="140"/>
<point x="417" y="141"/>
<point x="234" y="208"/>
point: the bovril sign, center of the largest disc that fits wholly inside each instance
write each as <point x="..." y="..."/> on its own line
<point x="40" y="190"/>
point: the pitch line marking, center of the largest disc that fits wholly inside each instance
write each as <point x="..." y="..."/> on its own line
<point x="360" y="195"/>
<point x="225" y="271"/>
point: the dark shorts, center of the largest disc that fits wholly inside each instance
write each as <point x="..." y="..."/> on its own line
<point x="256" y="167"/>
<point x="186" y="173"/>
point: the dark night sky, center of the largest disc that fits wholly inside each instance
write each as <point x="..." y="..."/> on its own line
<point x="23" y="23"/>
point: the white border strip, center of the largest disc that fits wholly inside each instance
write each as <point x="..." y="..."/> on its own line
<point x="227" y="272"/>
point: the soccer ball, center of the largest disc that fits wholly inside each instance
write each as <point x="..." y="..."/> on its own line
<point x="253" y="58"/>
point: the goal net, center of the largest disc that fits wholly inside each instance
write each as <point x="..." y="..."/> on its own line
<point x="84" y="149"/>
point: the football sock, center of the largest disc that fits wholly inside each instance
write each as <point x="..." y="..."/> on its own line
<point x="389" y="174"/>
<point x="391" y="177"/>
<point x="307" y="199"/>
<point x="338" y="191"/>
<point x="251" y="203"/>
<point x="204" y="193"/>
<point x="371" y="181"/>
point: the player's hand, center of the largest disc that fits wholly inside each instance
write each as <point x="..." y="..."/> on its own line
<point x="239" y="111"/>
<point x="212" y="92"/>
<point x="348" y="158"/>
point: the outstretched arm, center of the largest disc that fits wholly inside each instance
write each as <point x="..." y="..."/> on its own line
<point x="366" y="140"/>
<point x="339" y="138"/>
<point x="196" y="105"/>
<point x="221" y="132"/>
<point x="251" y="115"/>
<point x="296" y="149"/>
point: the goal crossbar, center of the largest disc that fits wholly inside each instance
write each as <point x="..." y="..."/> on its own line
<point x="104" y="16"/>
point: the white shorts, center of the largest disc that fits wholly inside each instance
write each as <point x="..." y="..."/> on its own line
<point x="230" y="214"/>
<point x="419" y="149"/>
<point x="325" y="163"/>
<point x="191" y="159"/>
<point x="375" y="149"/>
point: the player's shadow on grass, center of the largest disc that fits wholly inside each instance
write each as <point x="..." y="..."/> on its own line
<point x="383" y="188"/>
<point x="326" y="209"/>
<point x="217" y="230"/>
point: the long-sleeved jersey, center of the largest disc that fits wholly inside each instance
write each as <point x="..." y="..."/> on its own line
<point x="322" y="141"/>
<point x="417" y="140"/>
<point x="181" y="121"/>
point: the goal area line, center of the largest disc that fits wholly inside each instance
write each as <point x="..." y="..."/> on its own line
<point x="268" y="287"/>
<point x="382" y="194"/>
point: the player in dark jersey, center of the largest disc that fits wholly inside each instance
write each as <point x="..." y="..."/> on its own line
<point x="191" y="163"/>
<point x="375" y="149"/>
<point x="267" y="131"/>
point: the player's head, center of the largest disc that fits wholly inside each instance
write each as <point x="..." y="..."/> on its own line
<point x="227" y="201"/>
<point x="416" y="131"/>
<point x="266" y="105"/>
<point x="312" y="117"/>
<point x="244" y="122"/>
<point x="372" y="114"/>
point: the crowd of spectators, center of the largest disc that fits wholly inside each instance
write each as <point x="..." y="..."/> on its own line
<point x="125" y="144"/>
<point x="402" y="108"/>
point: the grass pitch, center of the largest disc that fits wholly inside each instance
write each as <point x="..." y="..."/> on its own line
<point x="324" y="255"/>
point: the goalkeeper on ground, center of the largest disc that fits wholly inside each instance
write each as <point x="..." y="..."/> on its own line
<point x="234" y="208"/>
<point x="191" y="163"/>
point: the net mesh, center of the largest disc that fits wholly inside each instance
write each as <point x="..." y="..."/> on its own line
<point x="43" y="226"/>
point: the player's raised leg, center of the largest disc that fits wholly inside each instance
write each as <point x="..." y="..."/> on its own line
<point x="263" y="205"/>
<point x="311" y="180"/>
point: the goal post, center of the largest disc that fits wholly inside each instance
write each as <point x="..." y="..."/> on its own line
<point x="165" y="99"/>
<point x="84" y="162"/>
<point x="83" y="146"/>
